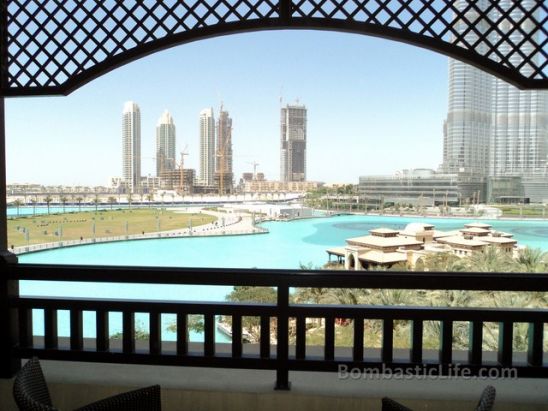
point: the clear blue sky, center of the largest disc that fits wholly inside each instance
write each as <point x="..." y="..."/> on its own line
<point x="374" y="106"/>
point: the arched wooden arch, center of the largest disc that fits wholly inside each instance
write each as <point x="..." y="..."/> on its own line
<point x="54" y="47"/>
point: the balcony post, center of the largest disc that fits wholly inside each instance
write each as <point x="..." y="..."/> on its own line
<point x="282" y="347"/>
<point x="9" y="365"/>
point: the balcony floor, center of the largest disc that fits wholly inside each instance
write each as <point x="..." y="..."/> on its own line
<point x="74" y="384"/>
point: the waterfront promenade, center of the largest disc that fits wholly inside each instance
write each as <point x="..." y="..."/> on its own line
<point x="226" y="224"/>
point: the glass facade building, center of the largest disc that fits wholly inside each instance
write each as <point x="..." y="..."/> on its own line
<point x="419" y="187"/>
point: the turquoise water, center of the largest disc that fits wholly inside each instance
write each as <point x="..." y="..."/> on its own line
<point x="41" y="210"/>
<point x="287" y="245"/>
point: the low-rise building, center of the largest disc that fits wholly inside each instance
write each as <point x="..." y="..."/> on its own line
<point x="385" y="247"/>
<point x="423" y="187"/>
<point x="267" y="186"/>
<point x="149" y="184"/>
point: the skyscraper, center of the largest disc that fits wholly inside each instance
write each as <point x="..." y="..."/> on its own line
<point x="207" y="146"/>
<point x="492" y="128"/>
<point x="131" y="146"/>
<point x="165" y="144"/>
<point x="223" y="167"/>
<point x="293" y="143"/>
<point x="467" y="129"/>
<point x="519" y="144"/>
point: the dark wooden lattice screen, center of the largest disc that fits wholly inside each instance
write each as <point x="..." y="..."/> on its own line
<point x="53" y="47"/>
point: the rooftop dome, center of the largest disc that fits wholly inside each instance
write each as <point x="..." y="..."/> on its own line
<point x="414" y="228"/>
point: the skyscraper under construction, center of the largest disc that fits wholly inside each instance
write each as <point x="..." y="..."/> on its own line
<point x="224" y="176"/>
<point x="293" y="143"/>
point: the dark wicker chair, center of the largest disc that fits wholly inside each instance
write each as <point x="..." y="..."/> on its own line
<point x="31" y="394"/>
<point x="486" y="402"/>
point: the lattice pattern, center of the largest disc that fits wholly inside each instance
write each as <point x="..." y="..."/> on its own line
<point x="49" y="44"/>
<point x="512" y="33"/>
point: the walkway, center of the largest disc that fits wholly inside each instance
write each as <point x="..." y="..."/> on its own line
<point x="226" y="224"/>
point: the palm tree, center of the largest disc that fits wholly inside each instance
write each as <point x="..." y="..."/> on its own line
<point x="129" y="200"/>
<point x="17" y="203"/>
<point x="150" y="198"/>
<point x="162" y="197"/>
<point x="96" y="201"/>
<point x="111" y="201"/>
<point x="392" y="297"/>
<point x="446" y="261"/>
<point x="532" y="260"/>
<point x="79" y="201"/>
<point x="48" y="200"/>
<point x="63" y="200"/>
<point x="491" y="259"/>
<point x="312" y="295"/>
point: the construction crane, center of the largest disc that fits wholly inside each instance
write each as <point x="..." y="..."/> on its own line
<point x="162" y="163"/>
<point x="254" y="164"/>
<point x="181" y="169"/>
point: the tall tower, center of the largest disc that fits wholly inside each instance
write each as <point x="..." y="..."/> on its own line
<point x="207" y="146"/>
<point x="223" y="167"/>
<point x="165" y="144"/>
<point x="467" y="129"/>
<point x="131" y="146"/>
<point x="293" y="143"/>
<point x="492" y="128"/>
<point x="519" y="144"/>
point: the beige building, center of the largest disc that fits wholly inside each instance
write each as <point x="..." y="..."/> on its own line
<point x="384" y="247"/>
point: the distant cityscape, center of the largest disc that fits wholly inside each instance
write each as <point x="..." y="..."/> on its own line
<point x="215" y="175"/>
<point x="495" y="147"/>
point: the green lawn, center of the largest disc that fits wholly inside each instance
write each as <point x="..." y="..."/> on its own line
<point x="525" y="211"/>
<point x="45" y="228"/>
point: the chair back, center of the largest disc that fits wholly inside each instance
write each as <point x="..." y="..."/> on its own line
<point x="30" y="389"/>
<point x="487" y="399"/>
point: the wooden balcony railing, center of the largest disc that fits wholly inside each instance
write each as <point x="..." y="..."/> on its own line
<point x="280" y="356"/>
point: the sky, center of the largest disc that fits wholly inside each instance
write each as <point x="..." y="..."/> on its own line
<point x="374" y="106"/>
